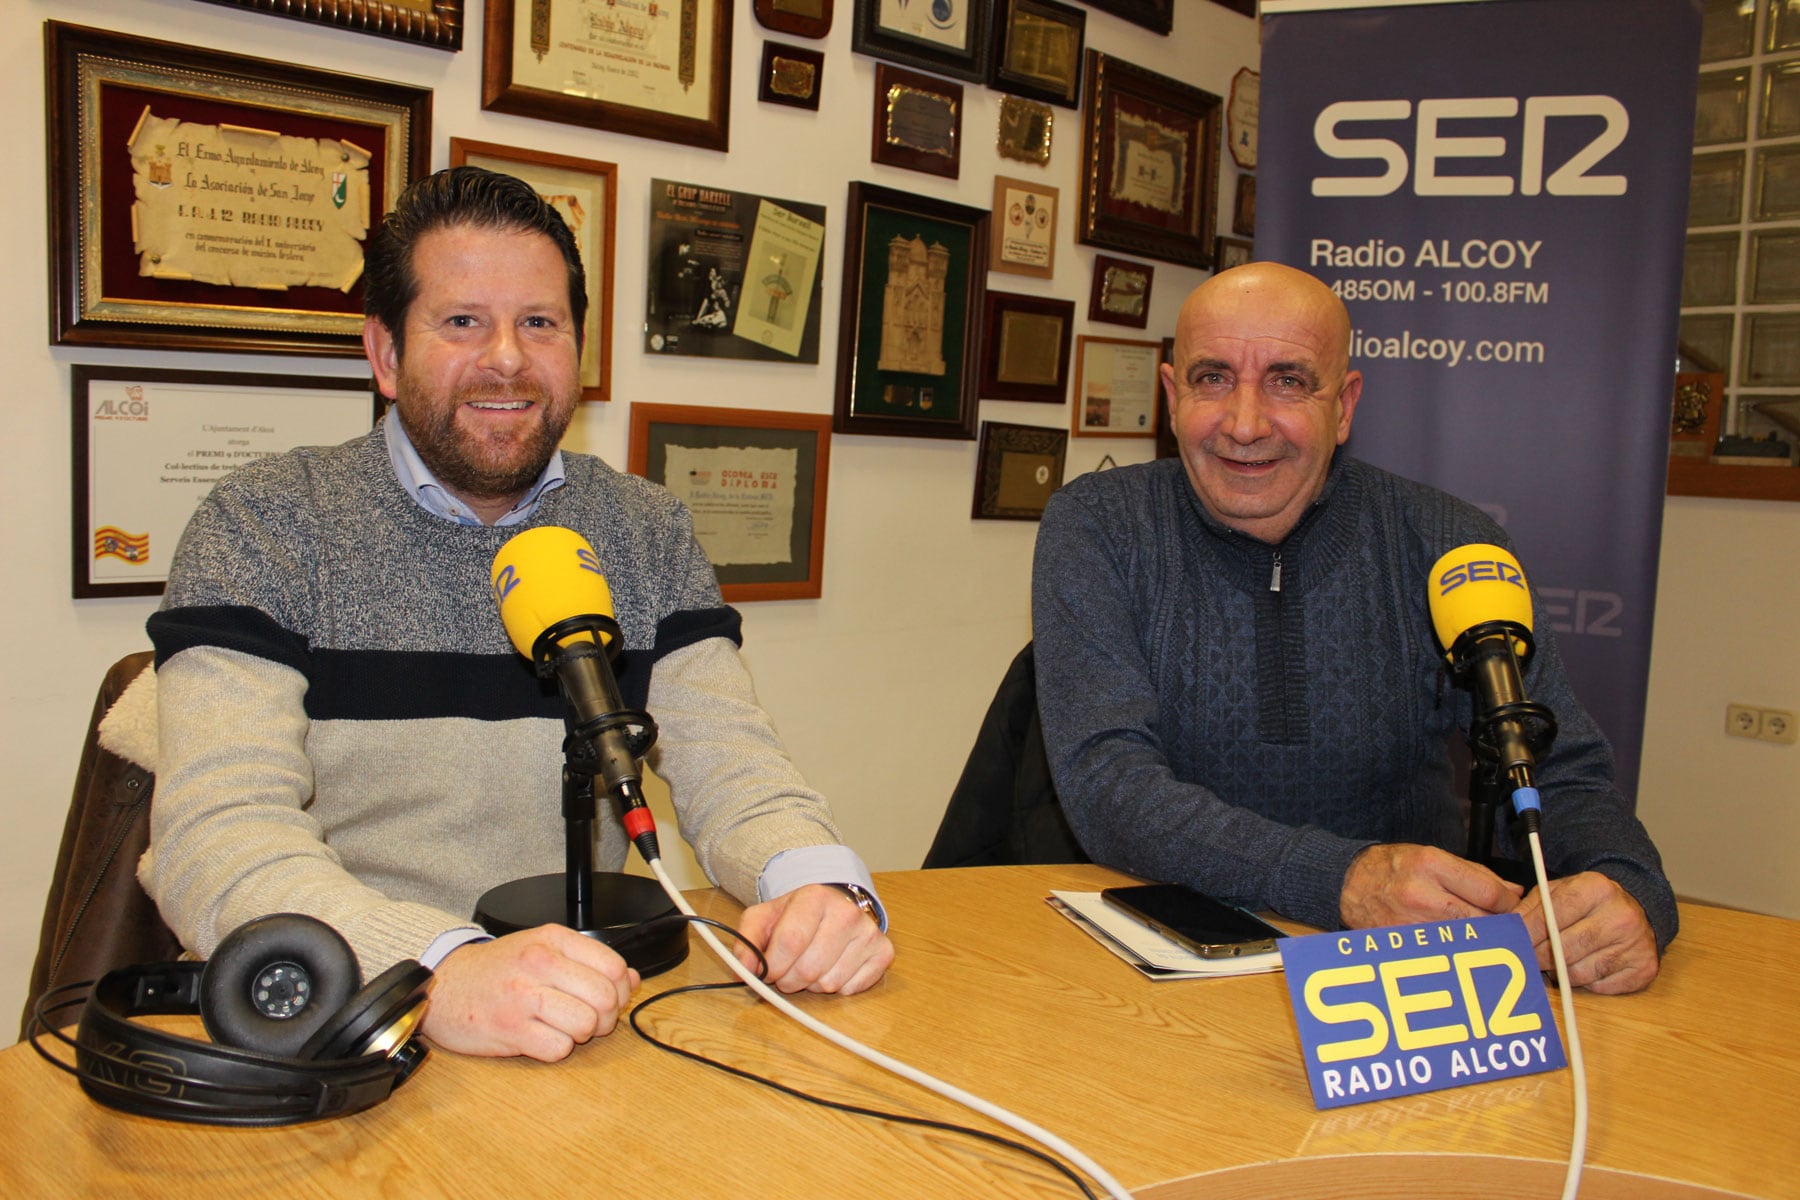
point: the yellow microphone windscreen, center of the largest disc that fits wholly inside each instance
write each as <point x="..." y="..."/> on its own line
<point x="1475" y="584"/>
<point x="547" y="575"/>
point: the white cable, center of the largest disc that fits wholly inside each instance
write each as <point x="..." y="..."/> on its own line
<point x="1577" y="1070"/>
<point x="1035" y="1133"/>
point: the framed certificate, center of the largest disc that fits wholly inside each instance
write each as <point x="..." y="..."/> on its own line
<point x="915" y="271"/>
<point x="755" y="483"/>
<point x="203" y="201"/>
<point x="1016" y="469"/>
<point x="1117" y="387"/>
<point x="1150" y="164"/>
<point x="949" y="37"/>
<point x="585" y="193"/>
<point x="658" y="70"/>
<point x="1025" y="344"/>
<point x="150" y="444"/>
<point x="436" y="23"/>
<point x="1024" y="230"/>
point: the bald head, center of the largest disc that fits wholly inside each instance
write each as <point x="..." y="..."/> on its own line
<point x="1260" y="394"/>
<point x="1279" y="300"/>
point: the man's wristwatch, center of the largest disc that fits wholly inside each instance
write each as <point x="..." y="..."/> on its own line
<point x="861" y="896"/>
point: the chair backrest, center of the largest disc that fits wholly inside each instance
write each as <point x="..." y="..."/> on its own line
<point x="1004" y="809"/>
<point x="96" y="916"/>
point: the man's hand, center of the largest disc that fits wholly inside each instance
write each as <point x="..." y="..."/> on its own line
<point x="816" y="939"/>
<point x="537" y="992"/>
<point x="1401" y="883"/>
<point x="1607" y="941"/>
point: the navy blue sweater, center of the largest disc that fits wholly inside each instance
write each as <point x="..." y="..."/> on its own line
<point x="1205" y="728"/>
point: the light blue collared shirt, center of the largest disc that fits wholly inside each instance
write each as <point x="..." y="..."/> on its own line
<point x="436" y="499"/>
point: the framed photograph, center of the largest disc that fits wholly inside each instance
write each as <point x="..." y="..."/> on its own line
<point x="1024" y="232"/>
<point x="915" y="271"/>
<point x="1025" y="127"/>
<point x="1229" y="252"/>
<point x="790" y="75"/>
<point x="802" y="18"/>
<point x="1025" y="347"/>
<point x="732" y="274"/>
<point x="1150" y="164"/>
<point x="755" y="483"/>
<point x="946" y="36"/>
<point x="1243" y="212"/>
<point x="585" y="193"/>
<point x="663" y="73"/>
<point x="1158" y="16"/>
<point x="1037" y="48"/>
<point x="434" y="22"/>
<point x="150" y="444"/>
<point x="1016" y="469"/>
<point x="203" y="201"/>
<point x="1121" y="294"/>
<point x="917" y="122"/>
<point x="1117" y="384"/>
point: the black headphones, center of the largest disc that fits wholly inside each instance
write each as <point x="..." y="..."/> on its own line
<point x="290" y="1042"/>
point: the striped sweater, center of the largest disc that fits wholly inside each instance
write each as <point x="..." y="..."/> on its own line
<point x="346" y="731"/>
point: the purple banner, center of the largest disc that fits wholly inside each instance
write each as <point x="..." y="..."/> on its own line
<point x="1498" y="191"/>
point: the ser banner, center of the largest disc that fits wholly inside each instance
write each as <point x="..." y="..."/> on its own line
<point x="1498" y="191"/>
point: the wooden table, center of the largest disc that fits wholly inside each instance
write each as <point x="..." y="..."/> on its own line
<point x="1180" y="1089"/>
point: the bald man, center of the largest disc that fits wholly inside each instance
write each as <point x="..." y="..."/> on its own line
<point x="1238" y="681"/>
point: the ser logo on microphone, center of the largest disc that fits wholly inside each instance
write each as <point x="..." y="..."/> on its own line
<point x="589" y="561"/>
<point x="505" y="580"/>
<point x="1478" y="571"/>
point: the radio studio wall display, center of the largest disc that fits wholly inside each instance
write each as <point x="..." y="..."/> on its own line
<point x="949" y="37"/>
<point x="657" y="71"/>
<point x="205" y="201"/>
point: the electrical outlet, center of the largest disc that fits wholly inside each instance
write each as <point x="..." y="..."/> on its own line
<point x="1741" y="720"/>
<point x="1778" y="725"/>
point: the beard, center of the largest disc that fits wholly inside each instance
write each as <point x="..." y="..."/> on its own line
<point x="486" y="468"/>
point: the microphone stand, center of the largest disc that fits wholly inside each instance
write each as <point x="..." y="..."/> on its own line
<point x="630" y="913"/>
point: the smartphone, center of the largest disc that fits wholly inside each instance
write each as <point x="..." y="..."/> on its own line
<point x="1210" y="928"/>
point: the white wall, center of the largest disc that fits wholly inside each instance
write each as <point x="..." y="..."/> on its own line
<point x="877" y="687"/>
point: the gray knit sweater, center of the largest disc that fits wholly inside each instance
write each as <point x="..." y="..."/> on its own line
<point x="1206" y="729"/>
<point x="346" y="731"/>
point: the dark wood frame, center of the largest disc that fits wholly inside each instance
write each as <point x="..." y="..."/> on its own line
<point x="884" y="150"/>
<point x="771" y="17"/>
<point x="765" y="82"/>
<point x="86" y="189"/>
<point x="1097" y="310"/>
<point x="1112" y="224"/>
<point x="1076" y="426"/>
<point x="81" y="375"/>
<point x="811" y="432"/>
<point x="437" y="23"/>
<point x="600" y="316"/>
<point x="1222" y="243"/>
<point x="846" y="419"/>
<point x="1158" y="16"/>
<point x="867" y="36"/>
<point x="500" y="94"/>
<point x="1004" y="79"/>
<point x="996" y="232"/>
<point x="997" y="438"/>
<point x="996" y="306"/>
<point x="1243" y="207"/>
